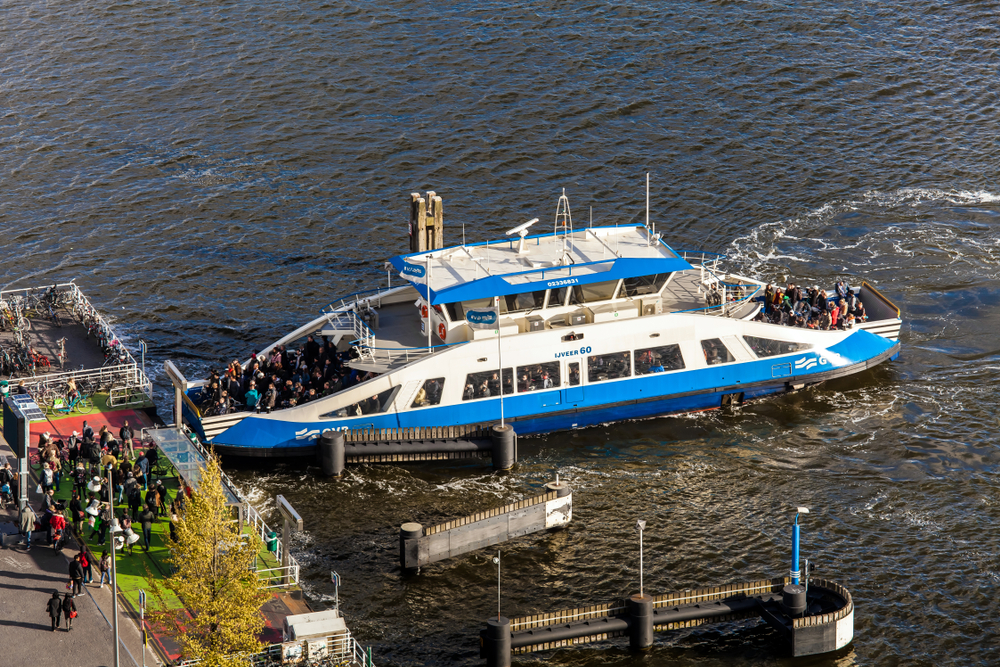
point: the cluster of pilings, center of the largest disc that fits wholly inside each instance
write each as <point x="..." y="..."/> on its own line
<point x="338" y="448"/>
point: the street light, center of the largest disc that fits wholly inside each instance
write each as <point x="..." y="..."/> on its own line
<point x="640" y="525"/>
<point x="496" y="561"/>
<point x="794" y="573"/>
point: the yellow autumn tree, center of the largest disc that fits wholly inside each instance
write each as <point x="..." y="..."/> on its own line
<point x="213" y="577"/>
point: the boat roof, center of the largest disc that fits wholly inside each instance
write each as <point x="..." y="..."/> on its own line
<point x="496" y="268"/>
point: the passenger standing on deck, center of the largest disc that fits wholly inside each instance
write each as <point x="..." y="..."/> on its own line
<point x="86" y="431"/>
<point x="252" y="398"/>
<point x="54" y="607"/>
<point x="126" y="434"/>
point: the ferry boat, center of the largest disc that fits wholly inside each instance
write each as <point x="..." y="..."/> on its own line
<point x="575" y="328"/>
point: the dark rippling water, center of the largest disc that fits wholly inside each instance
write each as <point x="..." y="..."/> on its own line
<point x="213" y="172"/>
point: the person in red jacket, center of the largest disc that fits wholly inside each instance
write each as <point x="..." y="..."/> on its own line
<point x="57" y="528"/>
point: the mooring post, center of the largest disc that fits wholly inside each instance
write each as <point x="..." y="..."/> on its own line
<point x="793" y="596"/>
<point x="562" y="489"/>
<point x="331" y="453"/>
<point x="409" y="533"/>
<point x="640" y="632"/>
<point x="503" y="438"/>
<point x="496" y="642"/>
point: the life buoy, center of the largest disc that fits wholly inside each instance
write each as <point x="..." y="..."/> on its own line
<point x="423" y="311"/>
<point x="442" y="331"/>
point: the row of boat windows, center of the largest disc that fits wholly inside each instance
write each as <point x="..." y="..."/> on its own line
<point x="603" y="367"/>
<point x="547" y="375"/>
<point x="564" y="296"/>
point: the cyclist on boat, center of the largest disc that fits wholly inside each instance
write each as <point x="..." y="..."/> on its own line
<point x="71" y="392"/>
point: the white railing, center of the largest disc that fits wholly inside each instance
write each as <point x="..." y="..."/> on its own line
<point x="341" y="648"/>
<point x="349" y="320"/>
<point x="260" y="527"/>
<point x="128" y="373"/>
<point x="280" y="574"/>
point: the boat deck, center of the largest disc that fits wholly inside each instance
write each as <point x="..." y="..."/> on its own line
<point x="398" y="339"/>
<point x="82" y="350"/>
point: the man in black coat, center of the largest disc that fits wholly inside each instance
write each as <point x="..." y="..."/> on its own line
<point x="75" y="576"/>
<point x="54" y="607"/>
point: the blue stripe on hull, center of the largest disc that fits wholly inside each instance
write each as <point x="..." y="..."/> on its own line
<point x="587" y="405"/>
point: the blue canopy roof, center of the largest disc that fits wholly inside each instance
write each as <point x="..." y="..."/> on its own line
<point x="480" y="271"/>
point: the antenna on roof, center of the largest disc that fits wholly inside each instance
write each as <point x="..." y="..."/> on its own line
<point x="522" y="231"/>
<point x="463" y="233"/>
<point x="647" y="200"/>
<point x="564" y="220"/>
<point x="591" y="217"/>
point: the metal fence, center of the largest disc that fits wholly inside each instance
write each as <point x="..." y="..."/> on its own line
<point x="124" y="377"/>
<point x="338" y="650"/>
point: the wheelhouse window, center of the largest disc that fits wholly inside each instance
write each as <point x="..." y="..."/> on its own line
<point x="458" y="309"/>
<point x="486" y="384"/>
<point x="592" y="292"/>
<point x="538" y="376"/>
<point x="515" y="303"/>
<point x="429" y="394"/>
<point x="601" y="367"/>
<point x="766" y="347"/>
<point x="643" y="285"/>
<point x="373" y="405"/>
<point x="716" y="353"/>
<point x="658" y="359"/>
<point x="557" y="297"/>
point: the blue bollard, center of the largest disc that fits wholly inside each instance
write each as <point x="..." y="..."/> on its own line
<point x="795" y="574"/>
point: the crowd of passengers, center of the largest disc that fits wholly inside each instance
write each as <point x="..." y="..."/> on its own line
<point x="812" y="308"/>
<point x="282" y="378"/>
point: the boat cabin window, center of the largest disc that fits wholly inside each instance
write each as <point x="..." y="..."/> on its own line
<point x="429" y="394"/>
<point x="765" y="347"/>
<point x="485" y="384"/>
<point x="372" y="405"/>
<point x="716" y="352"/>
<point x="526" y="301"/>
<point x="458" y="309"/>
<point x="557" y="297"/>
<point x="658" y="359"/>
<point x="592" y="292"/>
<point x="538" y="376"/>
<point x="601" y="367"/>
<point x="574" y="373"/>
<point x="643" y="285"/>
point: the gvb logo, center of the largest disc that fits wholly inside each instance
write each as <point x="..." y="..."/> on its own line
<point x="808" y="363"/>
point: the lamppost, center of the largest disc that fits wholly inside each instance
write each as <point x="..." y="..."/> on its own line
<point x="640" y="525"/>
<point x="112" y="523"/>
<point x="496" y="561"/>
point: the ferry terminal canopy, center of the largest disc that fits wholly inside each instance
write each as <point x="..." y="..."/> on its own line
<point x="549" y="261"/>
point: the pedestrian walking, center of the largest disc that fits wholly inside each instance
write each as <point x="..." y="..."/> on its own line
<point x="147" y="518"/>
<point x="69" y="610"/>
<point x="28" y="520"/>
<point x="105" y="566"/>
<point x="75" y="577"/>
<point x="54" y="607"/>
<point x="88" y="569"/>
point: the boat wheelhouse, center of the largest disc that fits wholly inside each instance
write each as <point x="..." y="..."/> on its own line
<point x="559" y="330"/>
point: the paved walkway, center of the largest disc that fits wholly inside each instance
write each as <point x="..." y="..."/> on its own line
<point x="27" y="579"/>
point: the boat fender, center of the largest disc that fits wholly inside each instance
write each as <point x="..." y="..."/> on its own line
<point x="423" y="311"/>
<point x="442" y="331"/>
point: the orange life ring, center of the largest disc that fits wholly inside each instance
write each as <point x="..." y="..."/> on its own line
<point x="442" y="331"/>
<point x="423" y="311"/>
